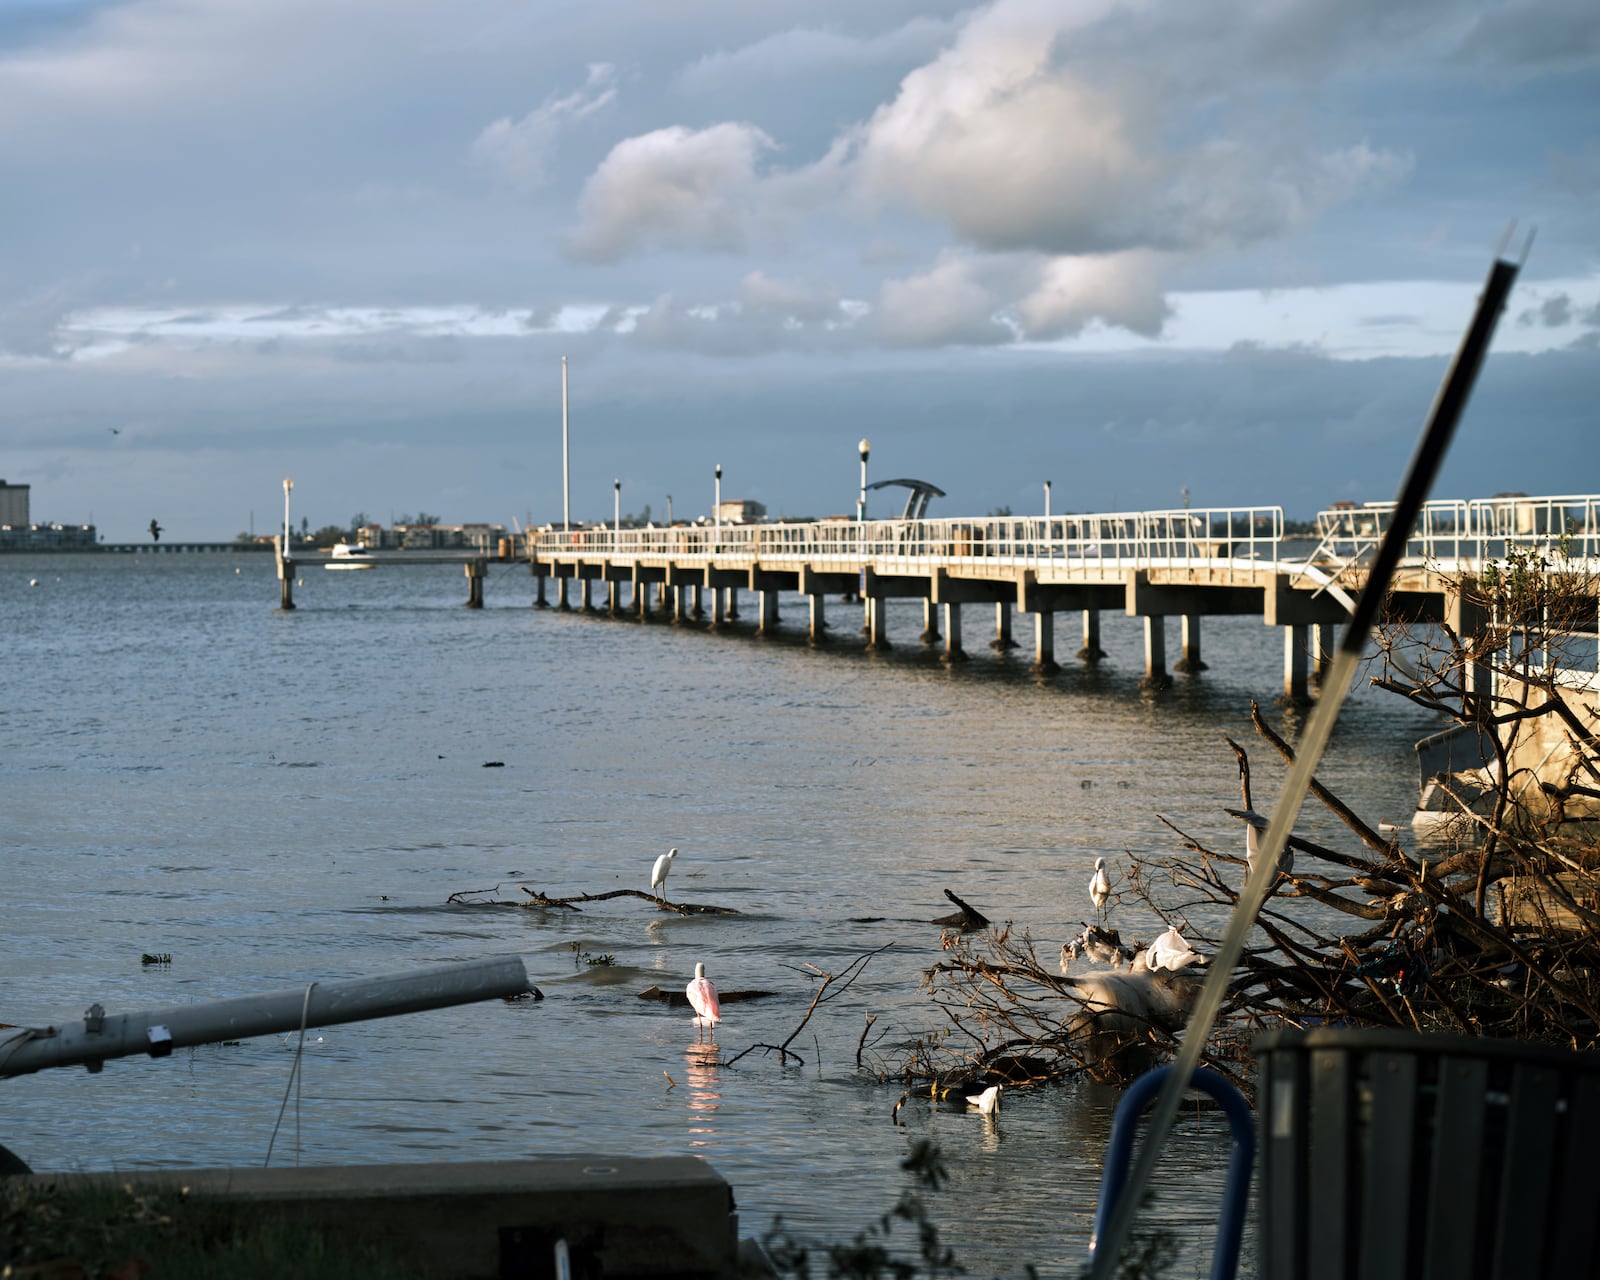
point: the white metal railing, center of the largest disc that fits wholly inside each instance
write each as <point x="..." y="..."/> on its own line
<point x="1452" y="531"/>
<point x="1137" y="539"/>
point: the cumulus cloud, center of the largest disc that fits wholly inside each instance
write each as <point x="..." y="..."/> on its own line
<point x="950" y="303"/>
<point x="677" y="188"/>
<point x="791" y="301"/>
<point x="1018" y="140"/>
<point x="1121" y="290"/>
<point x="517" y="150"/>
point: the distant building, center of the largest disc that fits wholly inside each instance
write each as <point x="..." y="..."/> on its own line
<point x="741" y="511"/>
<point x="432" y="537"/>
<point x="14" y="505"/>
<point x="47" y="537"/>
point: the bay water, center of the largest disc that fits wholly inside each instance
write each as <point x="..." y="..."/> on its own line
<point x="274" y="798"/>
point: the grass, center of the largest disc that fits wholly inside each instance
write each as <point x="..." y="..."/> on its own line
<point x="107" y="1232"/>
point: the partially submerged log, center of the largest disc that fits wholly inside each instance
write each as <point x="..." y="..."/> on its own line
<point x="968" y="920"/>
<point x="485" y="898"/>
<point x="680" y="1000"/>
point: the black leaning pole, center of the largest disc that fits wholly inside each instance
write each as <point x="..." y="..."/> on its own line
<point x="1448" y="404"/>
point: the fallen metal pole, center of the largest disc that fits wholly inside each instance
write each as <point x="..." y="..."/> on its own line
<point x="158" y="1032"/>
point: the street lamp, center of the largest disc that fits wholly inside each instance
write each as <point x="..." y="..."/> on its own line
<point x="616" y="512"/>
<point x="861" y="503"/>
<point x="669" y="511"/>
<point x="288" y="484"/>
<point x="716" y="502"/>
<point x="1046" y="499"/>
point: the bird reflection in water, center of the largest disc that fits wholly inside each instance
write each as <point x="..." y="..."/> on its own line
<point x="701" y="1064"/>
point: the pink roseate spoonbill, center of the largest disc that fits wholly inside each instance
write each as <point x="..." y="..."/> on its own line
<point x="1100" y="887"/>
<point x="658" y="873"/>
<point x="702" y="993"/>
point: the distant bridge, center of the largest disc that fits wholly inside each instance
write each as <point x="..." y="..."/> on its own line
<point x="1155" y="565"/>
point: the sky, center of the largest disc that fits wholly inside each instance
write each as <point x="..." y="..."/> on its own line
<point x="1148" y="250"/>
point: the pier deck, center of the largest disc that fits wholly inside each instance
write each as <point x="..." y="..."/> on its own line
<point x="1186" y="564"/>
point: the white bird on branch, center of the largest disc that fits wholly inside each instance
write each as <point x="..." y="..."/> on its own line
<point x="702" y="993"/>
<point x="1254" y="826"/>
<point x="987" y="1102"/>
<point x="1172" y="951"/>
<point x="658" y="873"/>
<point x="1100" y="887"/>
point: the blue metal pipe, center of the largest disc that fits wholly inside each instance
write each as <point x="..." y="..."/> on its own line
<point x="1236" y="1190"/>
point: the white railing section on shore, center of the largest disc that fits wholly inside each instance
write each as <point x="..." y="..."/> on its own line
<point x="1479" y="530"/>
<point x="1120" y="540"/>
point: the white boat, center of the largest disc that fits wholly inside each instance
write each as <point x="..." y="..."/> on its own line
<point x="349" y="555"/>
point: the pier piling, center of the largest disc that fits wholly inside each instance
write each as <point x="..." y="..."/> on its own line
<point x="1002" y="627"/>
<point x="1155" y="653"/>
<point x="1091" y="651"/>
<point x="285" y="577"/>
<point x="1044" y="644"/>
<point x="953" y="652"/>
<point x="1191" y="661"/>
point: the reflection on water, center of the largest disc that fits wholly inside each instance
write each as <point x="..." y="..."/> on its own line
<point x="702" y="1064"/>
<point x="154" y="710"/>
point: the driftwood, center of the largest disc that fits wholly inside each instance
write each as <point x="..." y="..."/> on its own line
<point x="968" y="920"/>
<point x="844" y="978"/>
<point x="660" y="904"/>
<point x="484" y="898"/>
<point x="680" y="999"/>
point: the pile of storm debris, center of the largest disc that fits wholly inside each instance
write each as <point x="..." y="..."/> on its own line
<point x="1491" y="929"/>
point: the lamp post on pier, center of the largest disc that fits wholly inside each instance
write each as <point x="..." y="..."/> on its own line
<point x="616" y="508"/>
<point x="1046" y="499"/>
<point x="669" y="511"/>
<point x="716" y="504"/>
<point x="865" y="448"/>
<point x="288" y="484"/>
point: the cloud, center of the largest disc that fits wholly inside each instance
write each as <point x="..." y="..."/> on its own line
<point x="1554" y="312"/>
<point x="33" y="327"/>
<point x="1017" y="139"/>
<point x="950" y="303"/>
<point x="791" y="301"/>
<point x="804" y="52"/>
<point x="677" y="188"/>
<point x="1122" y="289"/>
<point x="517" y="150"/>
<point x="1535" y="35"/>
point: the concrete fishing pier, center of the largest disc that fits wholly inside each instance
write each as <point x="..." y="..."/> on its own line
<point x="1184" y="565"/>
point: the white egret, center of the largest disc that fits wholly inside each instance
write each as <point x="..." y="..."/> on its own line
<point x="987" y="1102"/>
<point x="658" y="873"/>
<point x="1100" y="887"/>
<point x="1171" y="951"/>
<point x="1254" y="825"/>
<point x="702" y="993"/>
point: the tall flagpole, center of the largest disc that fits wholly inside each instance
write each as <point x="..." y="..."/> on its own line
<point x="566" y="465"/>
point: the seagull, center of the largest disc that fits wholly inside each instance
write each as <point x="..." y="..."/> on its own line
<point x="658" y="873"/>
<point x="987" y="1102"/>
<point x="1099" y="886"/>
<point x="702" y="993"/>
<point x="1171" y="951"/>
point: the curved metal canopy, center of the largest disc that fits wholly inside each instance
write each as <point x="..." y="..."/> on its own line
<point x="917" y="500"/>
